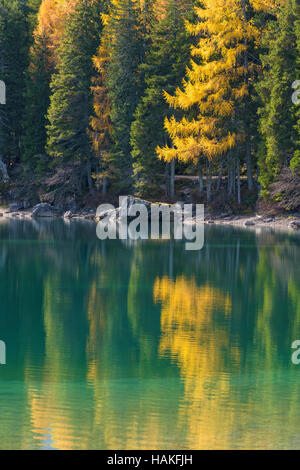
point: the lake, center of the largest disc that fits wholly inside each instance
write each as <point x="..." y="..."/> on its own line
<point x="143" y="345"/>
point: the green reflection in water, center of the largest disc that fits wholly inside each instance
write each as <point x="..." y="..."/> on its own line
<point x="145" y="345"/>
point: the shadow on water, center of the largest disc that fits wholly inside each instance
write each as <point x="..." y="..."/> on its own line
<point x="145" y="345"/>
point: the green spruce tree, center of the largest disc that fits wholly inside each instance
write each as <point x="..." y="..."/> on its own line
<point x="13" y="60"/>
<point x="277" y="113"/>
<point x="125" y="37"/>
<point x="37" y="101"/>
<point x="33" y="7"/>
<point x="295" y="162"/>
<point x="164" y="68"/>
<point x="71" y="102"/>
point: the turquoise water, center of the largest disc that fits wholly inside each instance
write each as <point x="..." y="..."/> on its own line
<point x="114" y="345"/>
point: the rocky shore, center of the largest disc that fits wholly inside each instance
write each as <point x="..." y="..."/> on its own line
<point x="44" y="210"/>
<point x="256" y="220"/>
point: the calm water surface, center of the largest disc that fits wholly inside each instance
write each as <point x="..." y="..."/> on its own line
<point x="145" y="345"/>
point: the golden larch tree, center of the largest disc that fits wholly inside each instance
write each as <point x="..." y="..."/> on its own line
<point x="216" y="89"/>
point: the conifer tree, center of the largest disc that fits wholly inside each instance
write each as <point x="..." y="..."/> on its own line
<point x="164" y="68"/>
<point x="278" y="113"/>
<point x="49" y="22"/>
<point x="295" y="162"/>
<point x="71" y="101"/>
<point x="217" y="87"/>
<point x="13" y="60"/>
<point x="101" y="125"/>
<point x="33" y="7"/>
<point x="125" y="38"/>
<point x="37" y="101"/>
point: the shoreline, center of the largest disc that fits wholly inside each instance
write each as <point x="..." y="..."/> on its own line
<point x="290" y="223"/>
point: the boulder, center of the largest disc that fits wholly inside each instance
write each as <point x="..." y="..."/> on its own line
<point x="101" y="213"/>
<point x="68" y="215"/>
<point x="16" y="206"/>
<point x="43" y="210"/>
<point x="128" y="204"/>
<point x="295" y="224"/>
<point x="132" y="201"/>
<point x="125" y="207"/>
<point x="249" y="222"/>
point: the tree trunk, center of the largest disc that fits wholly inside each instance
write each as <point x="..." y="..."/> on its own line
<point x="258" y="182"/>
<point x="234" y="177"/>
<point x="238" y="174"/>
<point x="200" y="177"/>
<point x="248" y="149"/>
<point x="172" y="179"/>
<point x="208" y="181"/>
<point x="249" y="165"/>
<point x="88" y="173"/>
<point x="229" y="182"/>
<point x="104" y="186"/>
<point x="220" y="176"/>
<point x="167" y="179"/>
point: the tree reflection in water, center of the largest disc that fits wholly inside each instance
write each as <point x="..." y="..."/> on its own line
<point x="146" y="345"/>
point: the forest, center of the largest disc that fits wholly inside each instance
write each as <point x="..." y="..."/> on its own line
<point x="163" y="99"/>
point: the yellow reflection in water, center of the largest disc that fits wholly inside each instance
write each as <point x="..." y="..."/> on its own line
<point x="188" y="337"/>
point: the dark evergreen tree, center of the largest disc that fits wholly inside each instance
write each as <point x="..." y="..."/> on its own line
<point x="71" y="100"/>
<point x="278" y="113"/>
<point x="295" y="162"/>
<point x="32" y="14"/>
<point x="125" y="34"/>
<point x="37" y="101"/>
<point x="164" y="68"/>
<point x="13" y="60"/>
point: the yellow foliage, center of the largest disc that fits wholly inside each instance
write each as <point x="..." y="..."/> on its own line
<point x="216" y="84"/>
<point x="100" y="122"/>
<point x="51" y="23"/>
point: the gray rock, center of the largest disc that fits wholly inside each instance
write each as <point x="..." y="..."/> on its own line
<point x="127" y="205"/>
<point x="132" y="201"/>
<point x="68" y="215"/>
<point x="249" y="222"/>
<point x="44" y="210"/>
<point x="16" y="206"/>
<point x="100" y="214"/>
